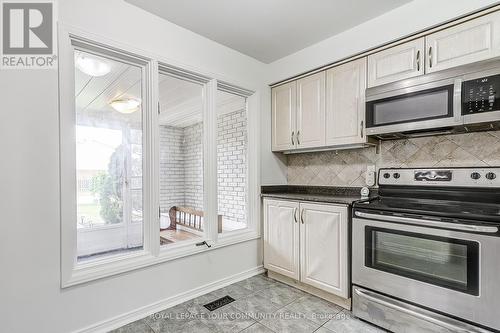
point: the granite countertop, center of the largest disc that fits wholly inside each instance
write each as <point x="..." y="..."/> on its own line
<point x="328" y="194"/>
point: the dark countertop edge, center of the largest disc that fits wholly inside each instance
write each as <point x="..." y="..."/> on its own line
<point x="326" y="194"/>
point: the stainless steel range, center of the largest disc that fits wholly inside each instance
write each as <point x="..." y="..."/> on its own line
<point x="426" y="252"/>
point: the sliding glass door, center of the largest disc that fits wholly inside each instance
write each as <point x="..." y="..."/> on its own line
<point x="108" y="97"/>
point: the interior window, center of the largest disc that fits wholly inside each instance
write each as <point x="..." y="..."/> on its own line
<point x="181" y="160"/>
<point x="108" y="99"/>
<point x="232" y="161"/>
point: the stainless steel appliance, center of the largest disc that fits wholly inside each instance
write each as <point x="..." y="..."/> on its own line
<point x="461" y="99"/>
<point x="426" y="251"/>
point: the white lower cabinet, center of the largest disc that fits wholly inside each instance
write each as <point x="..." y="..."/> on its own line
<point x="309" y="243"/>
<point x="281" y="237"/>
<point x="324" y="247"/>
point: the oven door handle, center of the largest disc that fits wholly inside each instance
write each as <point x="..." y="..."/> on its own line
<point x="384" y="301"/>
<point x="429" y="223"/>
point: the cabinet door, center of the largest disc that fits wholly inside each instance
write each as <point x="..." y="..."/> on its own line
<point x="311" y="111"/>
<point x="471" y="41"/>
<point x="345" y="103"/>
<point x="281" y="237"/>
<point x="284" y="107"/>
<point x="396" y="63"/>
<point x="324" y="248"/>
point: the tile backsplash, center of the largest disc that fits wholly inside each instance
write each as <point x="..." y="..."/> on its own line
<point x="348" y="167"/>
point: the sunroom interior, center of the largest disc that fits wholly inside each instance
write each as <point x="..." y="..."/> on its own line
<point x="109" y="157"/>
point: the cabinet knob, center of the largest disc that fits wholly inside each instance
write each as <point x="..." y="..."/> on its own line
<point x="491" y="176"/>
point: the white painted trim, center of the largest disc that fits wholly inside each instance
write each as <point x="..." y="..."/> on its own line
<point x="124" y="319"/>
<point x="73" y="274"/>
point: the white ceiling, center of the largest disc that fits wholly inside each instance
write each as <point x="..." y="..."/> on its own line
<point x="181" y="102"/>
<point x="268" y="30"/>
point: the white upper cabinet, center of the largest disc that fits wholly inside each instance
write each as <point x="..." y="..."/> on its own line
<point x="281" y="237"/>
<point x="468" y="42"/>
<point x="345" y="103"/>
<point x="284" y="106"/>
<point x="396" y="63"/>
<point x="311" y="111"/>
<point x="324" y="248"/>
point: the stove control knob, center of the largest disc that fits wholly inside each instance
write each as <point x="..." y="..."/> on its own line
<point x="387" y="175"/>
<point x="475" y="175"/>
<point x="491" y="176"/>
<point x="396" y="175"/>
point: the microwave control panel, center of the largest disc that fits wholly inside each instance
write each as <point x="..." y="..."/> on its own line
<point x="481" y="95"/>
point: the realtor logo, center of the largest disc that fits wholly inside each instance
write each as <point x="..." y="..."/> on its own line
<point x="28" y="35"/>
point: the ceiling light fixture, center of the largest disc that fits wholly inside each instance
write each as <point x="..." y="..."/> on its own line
<point x="92" y="66"/>
<point x="126" y="105"/>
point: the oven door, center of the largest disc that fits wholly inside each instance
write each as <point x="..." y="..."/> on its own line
<point x="429" y="106"/>
<point x="453" y="272"/>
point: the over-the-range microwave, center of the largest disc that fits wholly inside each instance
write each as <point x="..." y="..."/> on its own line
<point x="462" y="99"/>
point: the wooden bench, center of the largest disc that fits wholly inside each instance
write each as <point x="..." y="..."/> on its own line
<point x="189" y="218"/>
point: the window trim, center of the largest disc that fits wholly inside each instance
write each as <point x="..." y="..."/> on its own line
<point x="152" y="253"/>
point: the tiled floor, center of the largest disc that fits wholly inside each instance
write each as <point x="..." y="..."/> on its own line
<point x="262" y="305"/>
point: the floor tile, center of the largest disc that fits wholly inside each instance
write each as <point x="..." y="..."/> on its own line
<point x="315" y="309"/>
<point x="322" y="329"/>
<point x="236" y="291"/>
<point x="284" y="321"/>
<point x="282" y="294"/>
<point x="139" y="326"/>
<point x="257" y="328"/>
<point x="277" y="307"/>
<point x="190" y="326"/>
<point x="256" y="305"/>
<point x="170" y="319"/>
<point x="227" y="319"/>
<point x="344" y="322"/>
<point x="256" y="283"/>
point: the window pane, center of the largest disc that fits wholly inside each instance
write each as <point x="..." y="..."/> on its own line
<point x="232" y="141"/>
<point x="108" y="95"/>
<point x="181" y="160"/>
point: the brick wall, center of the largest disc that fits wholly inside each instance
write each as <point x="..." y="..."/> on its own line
<point x="232" y="165"/>
<point x="193" y="166"/>
<point x="181" y="165"/>
<point x="171" y="167"/>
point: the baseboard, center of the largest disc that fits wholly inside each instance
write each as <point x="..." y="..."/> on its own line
<point x="126" y="318"/>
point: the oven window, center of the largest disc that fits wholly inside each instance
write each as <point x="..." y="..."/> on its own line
<point x="445" y="262"/>
<point x="422" y="105"/>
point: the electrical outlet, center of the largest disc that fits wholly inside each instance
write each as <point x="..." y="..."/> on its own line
<point x="370" y="175"/>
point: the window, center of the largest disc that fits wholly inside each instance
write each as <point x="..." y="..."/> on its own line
<point x="180" y="131"/>
<point x="108" y="156"/>
<point x="153" y="162"/>
<point x="232" y="159"/>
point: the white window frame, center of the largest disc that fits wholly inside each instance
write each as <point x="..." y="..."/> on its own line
<point x="73" y="273"/>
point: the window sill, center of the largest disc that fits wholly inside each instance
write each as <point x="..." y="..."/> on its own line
<point x="88" y="272"/>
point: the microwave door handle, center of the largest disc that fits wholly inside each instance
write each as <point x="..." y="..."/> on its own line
<point x="401" y="307"/>
<point x="429" y="223"/>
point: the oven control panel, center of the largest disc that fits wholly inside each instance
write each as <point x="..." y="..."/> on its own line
<point x="457" y="177"/>
<point x="481" y="95"/>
